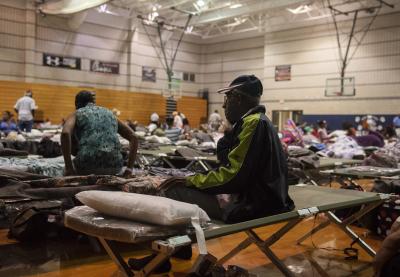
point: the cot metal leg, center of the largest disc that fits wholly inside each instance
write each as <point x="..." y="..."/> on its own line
<point x="116" y="257"/>
<point x="319" y="227"/>
<point x="190" y="165"/>
<point x="268" y="252"/>
<point x="168" y="162"/>
<point x="282" y="231"/>
<point x="241" y="246"/>
<point x="351" y="234"/>
<point x="356" y="216"/>
<point x="314" y="264"/>
<point x="271" y="240"/>
<point x="200" y="162"/>
<point x="156" y="261"/>
<point x="203" y="165"/>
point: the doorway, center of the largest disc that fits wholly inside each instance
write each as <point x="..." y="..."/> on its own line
<point x="280" y="117"/>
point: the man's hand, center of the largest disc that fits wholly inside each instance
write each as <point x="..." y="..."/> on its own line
<point x="381" y="258"/>
<point x="395" y="226"/>
<point x="173" y="181"/>
<point x="127" y="173"/>
<point x="389" y="248"/>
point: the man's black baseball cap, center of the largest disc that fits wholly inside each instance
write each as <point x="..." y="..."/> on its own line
<point x="248" y="84"/>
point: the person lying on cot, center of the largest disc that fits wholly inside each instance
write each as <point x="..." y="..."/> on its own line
<point x="387" y="260"/>
<point x="371" y="139"/>
<point x="253" y="168"/>
<point x="91" y="135"/>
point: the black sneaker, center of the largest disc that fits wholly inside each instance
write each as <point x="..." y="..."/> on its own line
<point x="139" y="264"/>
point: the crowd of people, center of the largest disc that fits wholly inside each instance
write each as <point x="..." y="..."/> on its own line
<point x="364" y="136"/>
<point x="250" y="148"/>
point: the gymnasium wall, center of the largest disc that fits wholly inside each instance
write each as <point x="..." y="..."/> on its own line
<point x="313" y="55"/>
<point x="56" y="102"/>
<point x="222" y="62"/>
<point x="311" y="52"/>
<point x="26" y="35"/>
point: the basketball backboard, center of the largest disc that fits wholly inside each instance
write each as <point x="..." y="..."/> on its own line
<point x="340" y="87"/>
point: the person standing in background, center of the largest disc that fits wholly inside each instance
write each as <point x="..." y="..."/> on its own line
<point x="25" y="107"/>
<point x="177" y="120"/>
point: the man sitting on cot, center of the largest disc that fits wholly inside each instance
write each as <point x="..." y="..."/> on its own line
<point x="91" y="135"/>
<point x="253" y="168"/>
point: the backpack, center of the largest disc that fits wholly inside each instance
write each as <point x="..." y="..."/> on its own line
<point x="48" y="148"/>
<point x="36" y="222"/>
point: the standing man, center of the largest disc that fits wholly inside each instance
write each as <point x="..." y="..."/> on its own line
<point x="177" y="120"/>
<point x="25" y="107"/>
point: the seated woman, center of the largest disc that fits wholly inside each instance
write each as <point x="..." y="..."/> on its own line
<point x="7" y="124"/>
<point x="323" y="133"/>
<point x="91" y="134"/>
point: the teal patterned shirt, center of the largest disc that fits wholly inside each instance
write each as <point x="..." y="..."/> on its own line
<point x="99" y="150"/>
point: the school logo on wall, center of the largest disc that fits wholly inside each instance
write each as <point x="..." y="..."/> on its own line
<point x="104" y="67"/>
<point x="282" y="73"/>
<point x="60" y="61"/>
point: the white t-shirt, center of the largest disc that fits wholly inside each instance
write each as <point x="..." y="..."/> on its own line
<point x="25" y="105"/>
<point x="178" y="122"/>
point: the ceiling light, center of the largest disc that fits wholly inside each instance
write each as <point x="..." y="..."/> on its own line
<point x="153" y="16"/>
<point x="300" y="9"/>
<point x="189" y="29"/>
<point x="235" y="6"/>
<point x="102" y="8"/>
<point x="200" y="3"/>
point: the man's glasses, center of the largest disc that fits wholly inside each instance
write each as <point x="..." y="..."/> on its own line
<point x="231" y="93"/>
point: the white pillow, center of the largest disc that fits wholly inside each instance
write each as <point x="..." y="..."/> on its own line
<point x="141" y="207"/>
